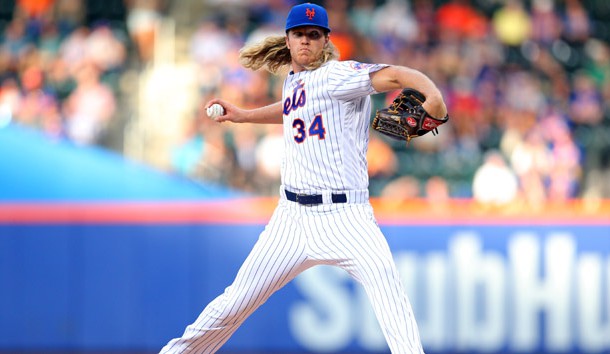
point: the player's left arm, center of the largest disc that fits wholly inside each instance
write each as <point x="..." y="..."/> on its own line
<point x="396" y="77"/>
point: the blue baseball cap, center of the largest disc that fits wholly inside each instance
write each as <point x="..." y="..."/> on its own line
<point x="307" y="14"/>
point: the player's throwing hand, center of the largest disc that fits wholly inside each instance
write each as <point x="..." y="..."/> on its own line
<point x="221" y="111"/>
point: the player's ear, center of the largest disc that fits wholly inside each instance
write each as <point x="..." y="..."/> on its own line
<point x="287" y="42"/>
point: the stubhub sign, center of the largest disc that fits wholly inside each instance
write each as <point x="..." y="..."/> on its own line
<point x="487" y="289"/>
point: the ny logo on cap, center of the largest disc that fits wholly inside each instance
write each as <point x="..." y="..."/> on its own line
<point x="310" y="13"/>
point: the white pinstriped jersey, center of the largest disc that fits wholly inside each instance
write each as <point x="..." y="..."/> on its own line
<point x="326" y="127"/>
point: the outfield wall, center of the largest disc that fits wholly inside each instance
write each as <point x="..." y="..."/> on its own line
<point x="129" y="277"/>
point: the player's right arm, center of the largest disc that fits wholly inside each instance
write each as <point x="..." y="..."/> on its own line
<point x="271" y="114"/>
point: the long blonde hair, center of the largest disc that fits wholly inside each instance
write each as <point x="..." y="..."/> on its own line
<point x="273" y="55"/>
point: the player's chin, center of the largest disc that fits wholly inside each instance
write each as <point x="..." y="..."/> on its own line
<point x="305" y="59"/>
<point x="304" y="53"/>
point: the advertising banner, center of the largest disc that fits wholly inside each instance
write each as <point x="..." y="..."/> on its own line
<point x="481" y="286"/>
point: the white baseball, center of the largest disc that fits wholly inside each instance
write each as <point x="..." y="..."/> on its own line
<point x="215" y="110"/>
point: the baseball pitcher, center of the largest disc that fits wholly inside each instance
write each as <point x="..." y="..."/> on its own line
<point x="323" y="215"/>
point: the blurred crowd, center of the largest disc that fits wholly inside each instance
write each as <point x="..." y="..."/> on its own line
<point x="57" y="73"/>
<point x="527" y="83"/>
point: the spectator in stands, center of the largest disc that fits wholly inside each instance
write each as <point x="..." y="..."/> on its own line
<point x="143" y="22"/>
<point x="10" y="100"/>
<point x="494" y="183"/>
<point x="512" y="25"/>
<point x="436" y="192"/>
<point x="586" y="102"/>
<point x="531" y="159"/>
<point x="403" y="188"/>
<point x="89" y="107"/>
<point x="577" y="23"/>
<point x="546" y="23"/>
<point x="565" y="171"/>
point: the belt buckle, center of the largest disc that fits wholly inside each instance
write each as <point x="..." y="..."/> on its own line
<point x="298" y="197"/>
<point x="302" y="195"/>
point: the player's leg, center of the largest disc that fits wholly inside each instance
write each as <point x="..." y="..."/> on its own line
<point x="276" y="258"/>
<point x="358" y="246"/>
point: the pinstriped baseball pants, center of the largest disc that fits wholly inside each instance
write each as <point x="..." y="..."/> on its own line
<point x="297" y="238"/>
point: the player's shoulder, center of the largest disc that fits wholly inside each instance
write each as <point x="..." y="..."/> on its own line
<point x="353" y="66"/>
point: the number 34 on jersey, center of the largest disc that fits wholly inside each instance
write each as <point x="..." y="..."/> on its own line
<point x="315" y="128"/>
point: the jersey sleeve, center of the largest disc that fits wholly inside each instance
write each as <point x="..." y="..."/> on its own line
<point x="350" y="79"/>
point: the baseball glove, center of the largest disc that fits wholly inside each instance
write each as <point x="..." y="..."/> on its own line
<point x="405" y="118"/>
